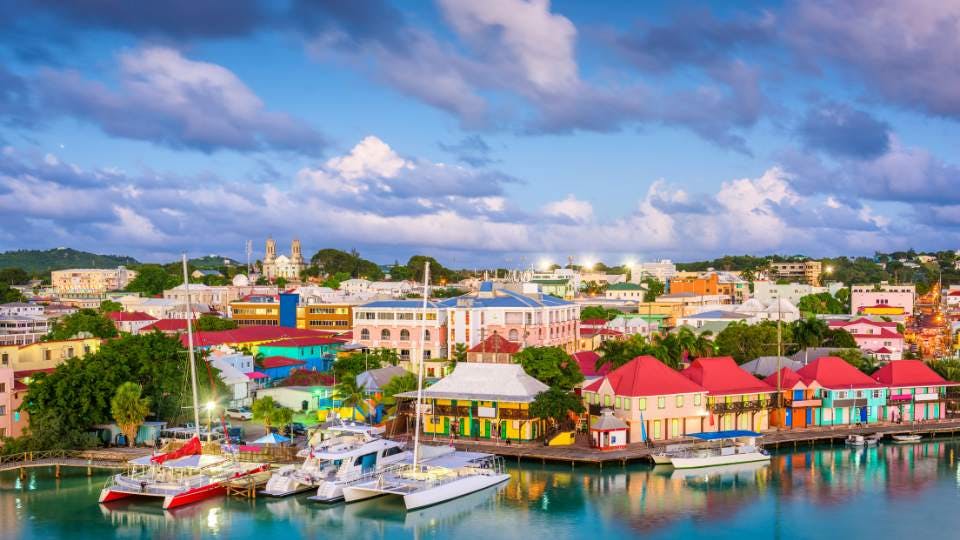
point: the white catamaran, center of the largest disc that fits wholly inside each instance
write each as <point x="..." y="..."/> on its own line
<point x="440" y="479"/>
<point x="185" y="475"/>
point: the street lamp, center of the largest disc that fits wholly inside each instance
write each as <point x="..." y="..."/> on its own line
<point x="210" y="406"/>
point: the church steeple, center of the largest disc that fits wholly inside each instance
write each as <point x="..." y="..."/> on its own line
<point x="295" y="255"/>
<point x="271" y="253"/>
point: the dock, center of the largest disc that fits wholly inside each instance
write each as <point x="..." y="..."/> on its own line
<point x="580" y="453"/>
<point x="247" y="486"/>
<point x="109" y="458"/>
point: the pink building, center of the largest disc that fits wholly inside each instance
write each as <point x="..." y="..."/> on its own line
<point x="879" y="339"/>
<point x="530" y="318"/>
<point x="130" y="322"/>
<point x="865" y="299"/>
<point x="399" y="325"/>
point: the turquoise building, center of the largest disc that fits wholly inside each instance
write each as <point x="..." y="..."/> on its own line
<point x="847" y="395"/>
<point x="317" y="353"/>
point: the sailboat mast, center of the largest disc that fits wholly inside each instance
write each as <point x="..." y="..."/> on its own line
<point x="193" y="367"/>
<point x="423" y="347"/>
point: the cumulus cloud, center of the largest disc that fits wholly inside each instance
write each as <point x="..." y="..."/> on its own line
<point x="166" y="98"/>
<point x="570" y="209"/>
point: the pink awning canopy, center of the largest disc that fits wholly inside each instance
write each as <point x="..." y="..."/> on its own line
<point x="256" y="375"/>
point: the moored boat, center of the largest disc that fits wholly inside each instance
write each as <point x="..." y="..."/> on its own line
<point x="906" y="438"/>
<point x="742" y="449"/>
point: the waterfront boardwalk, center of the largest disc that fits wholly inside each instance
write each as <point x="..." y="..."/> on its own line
<point x="581" y="454"/>
<point x="105" y="458"/>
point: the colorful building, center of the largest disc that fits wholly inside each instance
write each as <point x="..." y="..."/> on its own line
<point x="805" y="271"/>
<point x="83" y="284"/>
<point x="587" y="360"/>
<point x="706" y="284"/>
<point x="736" y="399"/>
<point x="318" y="353"/>
<point x="256" y="310"/>
<point x="493" y="350"/>
<point x="653" y="399"/>
<point x="250" y="337"/>
<point x="482" y="401"/>
<point x="130" y="322"/>
<point x="883" y="300"/>
<point x="848" y="396"/>
<point x="336" y="317"/>
<point x="915" y="392"/>
<point x="399" y="325"/>
<point x="879" y="339"/>
<point x="799" y="401"/>
<point x="625" y="291"/>
<point x="279" y="367"/>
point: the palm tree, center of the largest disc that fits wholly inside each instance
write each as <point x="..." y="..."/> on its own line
<point x="459" y="355"/>
<point x="129" y="409"/>
<point x="397" y="385"/>
<point x="809" y="332"/>
<point x="350" y="393"/>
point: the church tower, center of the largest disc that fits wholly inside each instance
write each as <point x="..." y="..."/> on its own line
<point x="271" y="250"/>
<point x="296" y="257"/>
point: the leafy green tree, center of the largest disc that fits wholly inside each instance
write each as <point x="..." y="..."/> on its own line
<point x="109" y="306"/>
<point x="857" y="359"/>
<point x="13" y="276"/>
<point x="333" y="261"/>
<point x="265" y="411"/>
<point x="655" y="288"/>
<point x="153" y="279"/>
<point x="397" y="385"/>
<point x="598" y="312"/>
<point x="383" y="357"/>
<point x="948" y="369"/>
<point x="617" y="352"/>
<point x="282" y="418"/>
<point x="745" y="342"/>
<point x="334" y="280"/>
<point x="84" y="320"/>
<point x="555" y="404"/>
<point x="550" y="365"/>
<point x="281" y="282"/>
<point x="351" y="365"/>
<point x="839" y="338"/>
<point x="399" y="272"/>
<point x="8" y="294"/>
<point x="351" y="394"/>
<point x="208" y="323"/>
<point x="129" y="409"/>
<point x="843" y="296"/>
<point x="820" y="303"/>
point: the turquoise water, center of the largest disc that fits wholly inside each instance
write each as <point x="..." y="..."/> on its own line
<point x="886" y="492"/>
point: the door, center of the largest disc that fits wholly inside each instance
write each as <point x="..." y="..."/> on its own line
<point x="474" y="427"/>
<point x="486" y="429"/>
<point x="809" y="418"/>
<point x="446" y="425"/>
<point x="788" y="419"/>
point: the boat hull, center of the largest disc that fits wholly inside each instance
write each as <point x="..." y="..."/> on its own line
<point x="452" y="490"/>
<point x="660" y="459"/>
<point x="356" y="493"/>
<point x="711" y="461"/>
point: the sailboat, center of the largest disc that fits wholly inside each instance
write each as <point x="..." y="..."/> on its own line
<point x="185" y="475"/>
<point x="440" y="479"/>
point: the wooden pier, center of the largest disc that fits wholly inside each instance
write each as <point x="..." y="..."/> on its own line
<point x="89" y="459"/>
<point x="581" y="454"/>
<point x="247" y="486"/>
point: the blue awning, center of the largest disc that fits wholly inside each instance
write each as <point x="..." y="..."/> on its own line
<point x="731" y="434"/>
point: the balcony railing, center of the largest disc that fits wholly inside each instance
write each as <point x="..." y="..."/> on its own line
<point x="741" y="406"/>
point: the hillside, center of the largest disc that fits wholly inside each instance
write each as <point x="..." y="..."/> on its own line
<point x="35" y="261"/>
<point x="213" y="262"/>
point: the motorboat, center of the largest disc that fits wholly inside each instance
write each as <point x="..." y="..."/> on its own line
<point x="663" y="455"/>
<point x="907" y="438"/>
<point x="185" y="475"/>
<point x="443" y="478"/>
<point x="873" y="440"/>
<point x="336" y="451"/>
<point x="734" y="446"/>
<point x="860" y="440"/>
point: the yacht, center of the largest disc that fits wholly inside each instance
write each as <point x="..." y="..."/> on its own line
<point x="438" y="479"/>
<point x="185" y="475"/>
<point x="338" y="450"/>
<point x="736" y="446"/>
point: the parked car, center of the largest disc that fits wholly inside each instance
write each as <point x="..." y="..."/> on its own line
<point x="298" y="429"/>
<point x="240" y="413"/>
<point x="235" y="435"/>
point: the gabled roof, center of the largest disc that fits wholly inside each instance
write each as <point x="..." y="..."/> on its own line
<point x="251" y="334"/>
<point x="588" y="363"/>
<point x="884" y="333"/>
<point x="304" y="342"/>
<point x="593" y="331"/>
<point x="861" y="320"/>
<point x="626" y="286"/>
<point x="647" y="376"/>
<point x="835" y="373"/>
<point x="788" y="379"/>
<point x="496" y="344"/>
<point x="909" y="373"/>
<point x="722" y="376"/>
<point x="167" y="325"/>
<point x="129" y="316"/>
<point x="766" y="365"/>
<point x="375" y="379"/>
<point x="485" y="382"/>
<point x="280" y="361"/>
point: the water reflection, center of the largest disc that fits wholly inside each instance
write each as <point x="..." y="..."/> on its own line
<point x="790" y="493"/>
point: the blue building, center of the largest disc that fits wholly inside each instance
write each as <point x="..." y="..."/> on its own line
<point x="316" y="353"/>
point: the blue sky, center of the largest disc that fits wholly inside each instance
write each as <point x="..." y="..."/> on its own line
<point x="496" y="132"/>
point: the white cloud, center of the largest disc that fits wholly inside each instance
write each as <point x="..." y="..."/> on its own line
<point x="571" y="208"/>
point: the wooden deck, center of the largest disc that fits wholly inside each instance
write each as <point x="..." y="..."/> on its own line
<point x="581" y="454"/>
<point x="247" y="486"/>
<point x="114" y="458"/>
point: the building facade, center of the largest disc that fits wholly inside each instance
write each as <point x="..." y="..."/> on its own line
<point x="288" y="268"/>
<point x="89" y="283"/>
<point x="879" y="339"/>
<point x="662" y="271"/>
<point x="735" y="399"/>
<point x="804" y="271"/>
<point x="399" y="325"/>
<point x="847" y="395"/>
<point x="915" y="392"/>
<point x="625" y="291"/>
<point x="883" y="299"/>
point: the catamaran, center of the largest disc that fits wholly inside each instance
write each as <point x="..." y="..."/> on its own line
<point x="440" y="479"/>
<point x="742" y="449"/>
<point x="185" y="475"/>
<point x="336" y="454"/>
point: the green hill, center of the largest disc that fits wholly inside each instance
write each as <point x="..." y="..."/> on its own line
<point x="37" y="262"/>
<point x="212" y="262"/>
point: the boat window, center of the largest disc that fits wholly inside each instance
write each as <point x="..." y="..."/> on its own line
<point x="365" y="457"/>
<point x="392" y="451"/>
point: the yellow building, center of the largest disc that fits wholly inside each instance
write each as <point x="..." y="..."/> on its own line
<point x="46" y="354"/>
<point x="482" y="401"/>
<point x="256" y="310"/>
<point x="335" y="317"/>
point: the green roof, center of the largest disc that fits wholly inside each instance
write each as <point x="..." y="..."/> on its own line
<point x="550" y="281"/>
<point x="625" y="287"/>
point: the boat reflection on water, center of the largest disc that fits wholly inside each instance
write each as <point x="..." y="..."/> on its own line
<point x="722" y="474"/>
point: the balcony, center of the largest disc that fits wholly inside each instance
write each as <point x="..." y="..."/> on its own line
<point x="806" y="403"/>
<point x="741" y="406"/>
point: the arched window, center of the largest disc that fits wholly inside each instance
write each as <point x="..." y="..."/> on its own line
<point x="514" y="335"/>
<point x="385" y="334"/>
<point x="404" y="335"/>
<point x="426" y="335"/>
<point x="365" y="333"/>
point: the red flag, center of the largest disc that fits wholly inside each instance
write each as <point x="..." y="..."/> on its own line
<point x="192" y="447"/>
<point x="711" y="419"/>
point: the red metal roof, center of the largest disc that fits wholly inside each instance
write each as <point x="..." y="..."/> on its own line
<point x="129" y="316"/>
<point x="884" y="333"/>
<point x="898" y="373"/>
<point x="861" y="320"/>
<point x="593" y="331"/>
<point x="496" y="344"/>
<point x="588" y="363"/>
<point x="280" y="361"/>
<point x="304" y="342"/>
<point x="722" y="376"/>
<point x="167" y="325"/>
<point x="834" y="372"/>
<point x="646" y="376"/>
<point x="788" y="379"/>
<point x="594" y="322"/>
<point x="250" y="334"/>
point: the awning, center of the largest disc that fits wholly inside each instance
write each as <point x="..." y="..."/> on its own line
<point x="731" y="434"/>
<point x="254" y="375"/>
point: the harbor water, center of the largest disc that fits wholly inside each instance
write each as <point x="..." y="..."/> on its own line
<point x="891" y="491"/>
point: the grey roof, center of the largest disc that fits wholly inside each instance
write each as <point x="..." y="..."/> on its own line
<point x="485" y="382"/>
<point x="719" y="314"/>
<point x="767" y="365"/>
<point x="504" y="298"/>
<point x="805" y="356"/>
<point x="375" y="379"/>
<point x="607" y="421"/>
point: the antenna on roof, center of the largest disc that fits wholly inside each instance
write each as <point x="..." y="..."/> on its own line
<point x="249" y="255"/>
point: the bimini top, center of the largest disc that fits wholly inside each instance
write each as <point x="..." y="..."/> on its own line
<point x="730" y="434"/>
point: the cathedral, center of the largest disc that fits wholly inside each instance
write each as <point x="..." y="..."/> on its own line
<point x="288" y="268"/>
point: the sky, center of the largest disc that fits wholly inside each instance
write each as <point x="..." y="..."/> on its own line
<point x="494" y="133"/>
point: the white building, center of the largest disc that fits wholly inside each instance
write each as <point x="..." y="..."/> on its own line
<point x="661" y="271"/>
<point x="288" y="268"/>
<point x="768" y="291"/>
<point x="867" y="299"/>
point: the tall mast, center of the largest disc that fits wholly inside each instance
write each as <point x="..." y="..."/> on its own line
<point x="423" y="347"/>
<point x="193" y="367"/>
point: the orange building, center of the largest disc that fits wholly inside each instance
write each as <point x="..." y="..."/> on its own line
<point x="701" y="285"/>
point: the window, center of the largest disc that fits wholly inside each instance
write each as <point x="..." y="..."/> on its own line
<point x="47" y="354"/>
<point x="619" y="404"/>
<point x="642" y="403"/>
<point x="4" y="359"/>
<point x="661" y="402"/>
<point x="626" y="403"/>
<point x="679" y="401"/>
<point x="3" y="387"/>
<point x="404" y="335"/>
<point x="876" y="393"/>
<point x="426" y="335"/>
<point x="3" y="410"/>
<point x="365" y="334"/>
<point x="513" y="335"/>
<point x="675" y="427"/>
<point x="385" y="334"/>
<point x="608" y="401"/>
<point x="697" y="399"/>
<point x="841" y="394"/>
